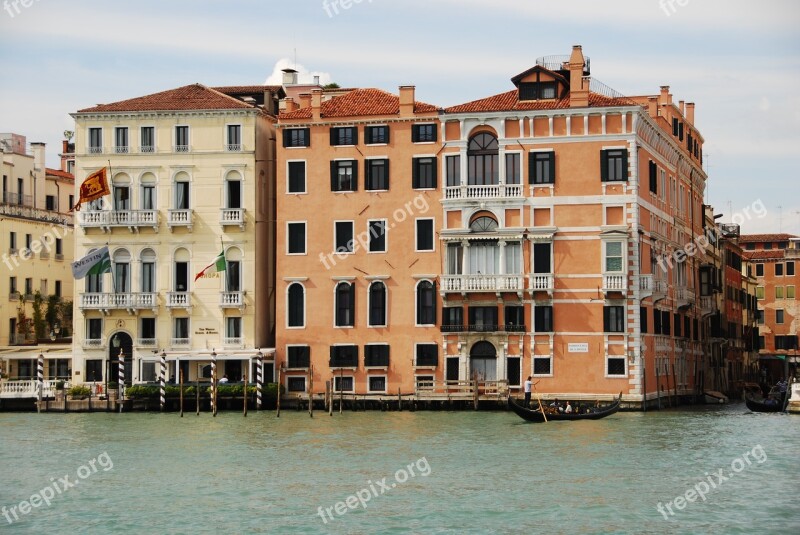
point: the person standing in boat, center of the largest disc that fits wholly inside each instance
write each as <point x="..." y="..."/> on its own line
<point x="528" y="385"/>
<point x="568" y="408"/>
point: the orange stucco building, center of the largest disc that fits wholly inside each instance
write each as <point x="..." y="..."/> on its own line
<point x="544" y="231"/>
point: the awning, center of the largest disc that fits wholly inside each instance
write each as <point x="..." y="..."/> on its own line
<point x="33" y="352"/>
<point x="205" y="355"/>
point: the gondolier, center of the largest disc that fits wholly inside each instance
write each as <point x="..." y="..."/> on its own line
<point x="528" y="385"/>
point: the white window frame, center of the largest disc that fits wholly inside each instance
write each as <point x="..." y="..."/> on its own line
<point x="385" y="306"/>
<point x="155" y="138"/>
<point x="305" y="238"/>
<point x="353" y="238"/>
<point x="533" y="368"/>
<point x="416" y="308"/>
<point x="385" y="236"/>
<point x="433" y="234"/>
<point x="305" y="307"/>
<point x="342" y="377"/>
<point x="365" y="355"/>
<point x="385" y="384"/>
<point x="175" y="137"/>
<point x="127" y="136"/>
<point x="241" y="136"/>
<point x="305" y="384"/>
<point x="101" y="148"/>
<point x="305" y="177"/>
<point x="287" y="356"/>
<point x="605" y="369"/>
<point x="438" y="360"/>
<point x="366" y="164"/>
<point x="389" y="135"/>
<point x="623" y="244"/>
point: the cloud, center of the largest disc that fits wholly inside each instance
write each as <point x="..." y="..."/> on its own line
<point x="305" y="76"/>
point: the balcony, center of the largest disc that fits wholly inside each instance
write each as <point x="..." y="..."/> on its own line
<point x="180" y="342"/>
<point x="179" y="300"/>
<point x="651" y="286"/>
<point x="484" y="328"/>
<point x="124" y="149"/>
<point x="181" y="148"/>
<point x="684" y="296"/>
<point x="483" y="283"/>
<point x="93" y="343"/>
<point x="237" y="342"/>
<point x="108" y="219"/>
<point x="118" y="301"/>
<point x="232" y="216"/>
<point x="708" y="304"/>
<point x="231" y="300"/>
<point x="21" y="389"/>
<point x="95" y="150"/>
<point x="615" y="283"/>
<point x="147" y="149"/>
<point x="233" y="147"/>
<point x="482" y="192"/>
<point x="17" y="199"/>
<point x="147" y="342"/>
<point x="540" y="282"/>
<point x="179" y="218"/>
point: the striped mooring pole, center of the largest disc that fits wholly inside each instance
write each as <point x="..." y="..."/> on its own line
<point x="161" y="380"/>
<point x="40" y="377"/>
<point x="121" y="377"/>
<point x="259" y="378"/>
<point x="213" y="383"/>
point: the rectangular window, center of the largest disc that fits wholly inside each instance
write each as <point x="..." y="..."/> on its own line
<point x="376" y="356"/>
<point x="790" y="292"/>
<point x="760" y="316"/>
<point x="296" y="137"/>
<point x="779" y="316"/>
<point x="483" y="319"/>
<point x="94" y="329"/>
<point x="513" y="171"/>
<point x="147" y="329"/>
<point x="297" y="177"/>
<point x="653" y="168"/>
<point x="296" y="244"/>
<point x="424" y="173"/>
<point x="427" y="355"/>
<point x="121" y="139"/>
<point x="377" y="235"/>
<point x="95" y="140"/>
<point x="541" y="258"/>
<point x="614" y="257"/>
<point x="643" y="319"/>
<point x="377" y="175"/>
<point x="615" y="366"/>
<point x="537" y="90"/>
<point x="677" y="322"/>
<point x="666" y="326"/>
<point x="181" y="139"/>
<point x="344" y="175"/>
<point x="790" y="269"/>
<point x="614" y="165"/>
<point x="542" y="168"/>
<point x="234" y="138"/>
<point x="298" y="357"/>
<point x="759" y="292"/>
<point x="344" y="135"/>
<point x="514" y="373"/>
<point x="376" y="135"/>
<point x="762" y="344"/>
<point x="515" y="318"/>
<point x="759" y="270"/>
<point x="423" y="133"/>
<point x="50" y="202"/>
<point x="296" y="384"/>
<point x="779" y="292"/>
<point x="343" y="239"/>
<point x="94" y="370"/>
<point x="779" y="269"/>
<point x="343" y="383"/>
<point x="424" y="235"/>
<point x="147" y="141"/>
<point x="542" y="366"/>
<point x="58" y="289"/>
<point x="614" y="319"/>
<point x="12" y="241"/>
<point x="182" y="195"/>
<point x="452" y="319"/>
<point x="377" y="383"/>
<point x="344" y="356"/>
<point x="29" y="287"/>
<point x="180" y="329"/>
<point x="453" y="164"/>
<point x="543" y="319"/>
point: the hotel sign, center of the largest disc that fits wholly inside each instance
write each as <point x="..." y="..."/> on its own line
<point x="582" y="347"/>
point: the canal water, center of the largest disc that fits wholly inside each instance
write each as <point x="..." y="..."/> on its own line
<point x="415" y="472"/>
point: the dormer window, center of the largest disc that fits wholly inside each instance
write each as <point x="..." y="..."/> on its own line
<point x="537" y="90"/>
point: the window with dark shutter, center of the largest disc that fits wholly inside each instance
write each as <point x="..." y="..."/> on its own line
<point x="376" y="356"/>
<point x="377" y="236"/>
<point x="665" y="322"/>
<point x="643" y="319"/>
<point x="344" y="356"/>
<point x="653" y="177"/>
<point x="614" y="165"/>
<point x="657" y="322"/>
<point x="297" y="238"/>
<point x="541" y="258"/>
<point x="342" y="136"/>
<point x="297" y="177"/>
<point x="543" y="319"/>
<point x="423" y="133"/>
<point x="425" y="235"/>
<point x="343" y="239"/>
<point x="296" y="137"/>
<point x="680" y="131"/>
<point x="452" y="319"/>
<point x="298" y="357"/>
<point x="345" y="304"/>
<point x="376" y="135"/>
<point x="427" y="355"/>
<point x="296" y="297"/>
<point x="542" y="168"/>
<point x="677" y="323"/>
<point x="614" y="319"/>
<point x="675" y="126"/>
<point x="344" y="175"/>
<point x="515" y="318"/>
<point x="377" y="175"/>
<point x="377" y="304"/>
<point x="426" y="303"/>
<point x="424" y="173"/>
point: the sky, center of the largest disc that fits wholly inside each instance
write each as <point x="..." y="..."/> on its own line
<point x="739" y="61"/>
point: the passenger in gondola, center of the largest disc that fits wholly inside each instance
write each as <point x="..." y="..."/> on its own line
<point x="568" y="409"/>
<point x="555" y="404"/>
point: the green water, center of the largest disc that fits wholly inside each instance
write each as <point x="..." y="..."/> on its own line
<point x="488" y="472"/>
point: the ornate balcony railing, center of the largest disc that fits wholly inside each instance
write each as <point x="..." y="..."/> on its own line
<point x="179" y="218"/>
<point x="147" y="149"/>
<point x="615" y="283"/>
<point x="542" y="282"/>
<point x="233" y="147"/>
<point x="118" y="301"/>
<point x="179" y="300"/>
<point x="180" y="342"/>
<point x="119" y="218"/>
<point x="231" y="299"/>
<point x="490" y="191"/>
<point x="181" y="148"/>
<point x="29" y="388"/>
<point x="232" y="216"/>
<point x="483" y="283"/>
<point x="122" y="149"/>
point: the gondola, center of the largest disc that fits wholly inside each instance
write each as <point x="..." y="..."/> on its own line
<point x="759" y="406"/>
<point x="535" y="415"/>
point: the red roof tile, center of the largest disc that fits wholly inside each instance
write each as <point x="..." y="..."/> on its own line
<point x="509" y="101"/>
<point x="246" y="89"/>
<point x="59" y="173"/>
<point x="764" y="255"/>
<point x="358" y="103"/>
<point x="756" y="238"/>
<point x="190" y="97"/>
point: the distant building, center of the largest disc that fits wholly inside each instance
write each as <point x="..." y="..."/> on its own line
<point x="192" y="173"/>
<point x="36" y="244"/>
<point x="775" y="259"/>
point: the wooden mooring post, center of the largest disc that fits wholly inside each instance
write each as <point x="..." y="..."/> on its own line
<point x="244" y="395"/>
<point x="399" y="400"/>
<point x="180" y="387"/>
<point x="278" y="402"/>
<point x="311" y="391"/>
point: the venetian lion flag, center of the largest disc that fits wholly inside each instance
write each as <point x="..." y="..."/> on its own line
<point x="94" y="187"/>
<point x="95" y="263"/>
<point x="218" y="265"/>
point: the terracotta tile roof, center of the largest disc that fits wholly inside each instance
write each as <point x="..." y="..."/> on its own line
<point x="360" y="102"/>
<point x="190" y="97"/>
<point x="764" y="255"/>
<point x="509" y="102"/>
<point x="59" y="173"/>
<point x="755" y="238"/>
<point x="246" y="89"/>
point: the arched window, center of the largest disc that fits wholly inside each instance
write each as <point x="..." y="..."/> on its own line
<point x="122" y="192"/>
<point x="377" y="304"/>
<point x="482" y="160"/>
<point x="296" y="316"/>
<point x="181" y="267"/>
<point x="233" y="270"/>
<point x="148" y="182"/>
<point x="483" y="224"/>
<point x="148" y="258"/>
<point x="94" y="283"/>
<point x="233" y="190"/>
<point x="345" y="304"/>
<point x="426" y="303"/>
<point x="122" y="274"/>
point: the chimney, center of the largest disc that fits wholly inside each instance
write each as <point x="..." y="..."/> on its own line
<point x="316" y="104"/>
<point x="316" y="80"/>
<point x="682" y="107"/>
<point x="289" y="77"/>
<point x="665" y="97"/>
<point x="690" y="112"/>
<point x="578" y="85"/>
<point x="304" y="100"/>
<point x="65" y="146"/>
<point x="407" y="99"/>
<point x="289" y="105"/>
<point x="652" y="106"/>
<point x="38" y="156"/>
<point x="268" y="101"/>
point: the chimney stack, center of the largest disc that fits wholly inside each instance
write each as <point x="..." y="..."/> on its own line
<point x="304" y="99"/>
<point x="652" y="106"/>
<point x="407" y="99"/>
<point x="665" y="97"/>
<point x="682" y="107"/>
<point x="289" y="105"/>
<point x="690" y="112"/>
<point x="316" y="104"/>
<point x="578" y="85"/>
<point x="316" y="80"/>
<point x="289" y="77"/>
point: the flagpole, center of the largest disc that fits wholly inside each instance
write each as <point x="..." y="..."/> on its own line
<point x="113" y="275"/>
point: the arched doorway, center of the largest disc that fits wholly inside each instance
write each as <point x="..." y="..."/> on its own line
<point x="483" y="361"/>
<point x="120" y="341"/>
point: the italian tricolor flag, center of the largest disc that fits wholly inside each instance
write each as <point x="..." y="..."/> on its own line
<point x="218" y="265"/>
